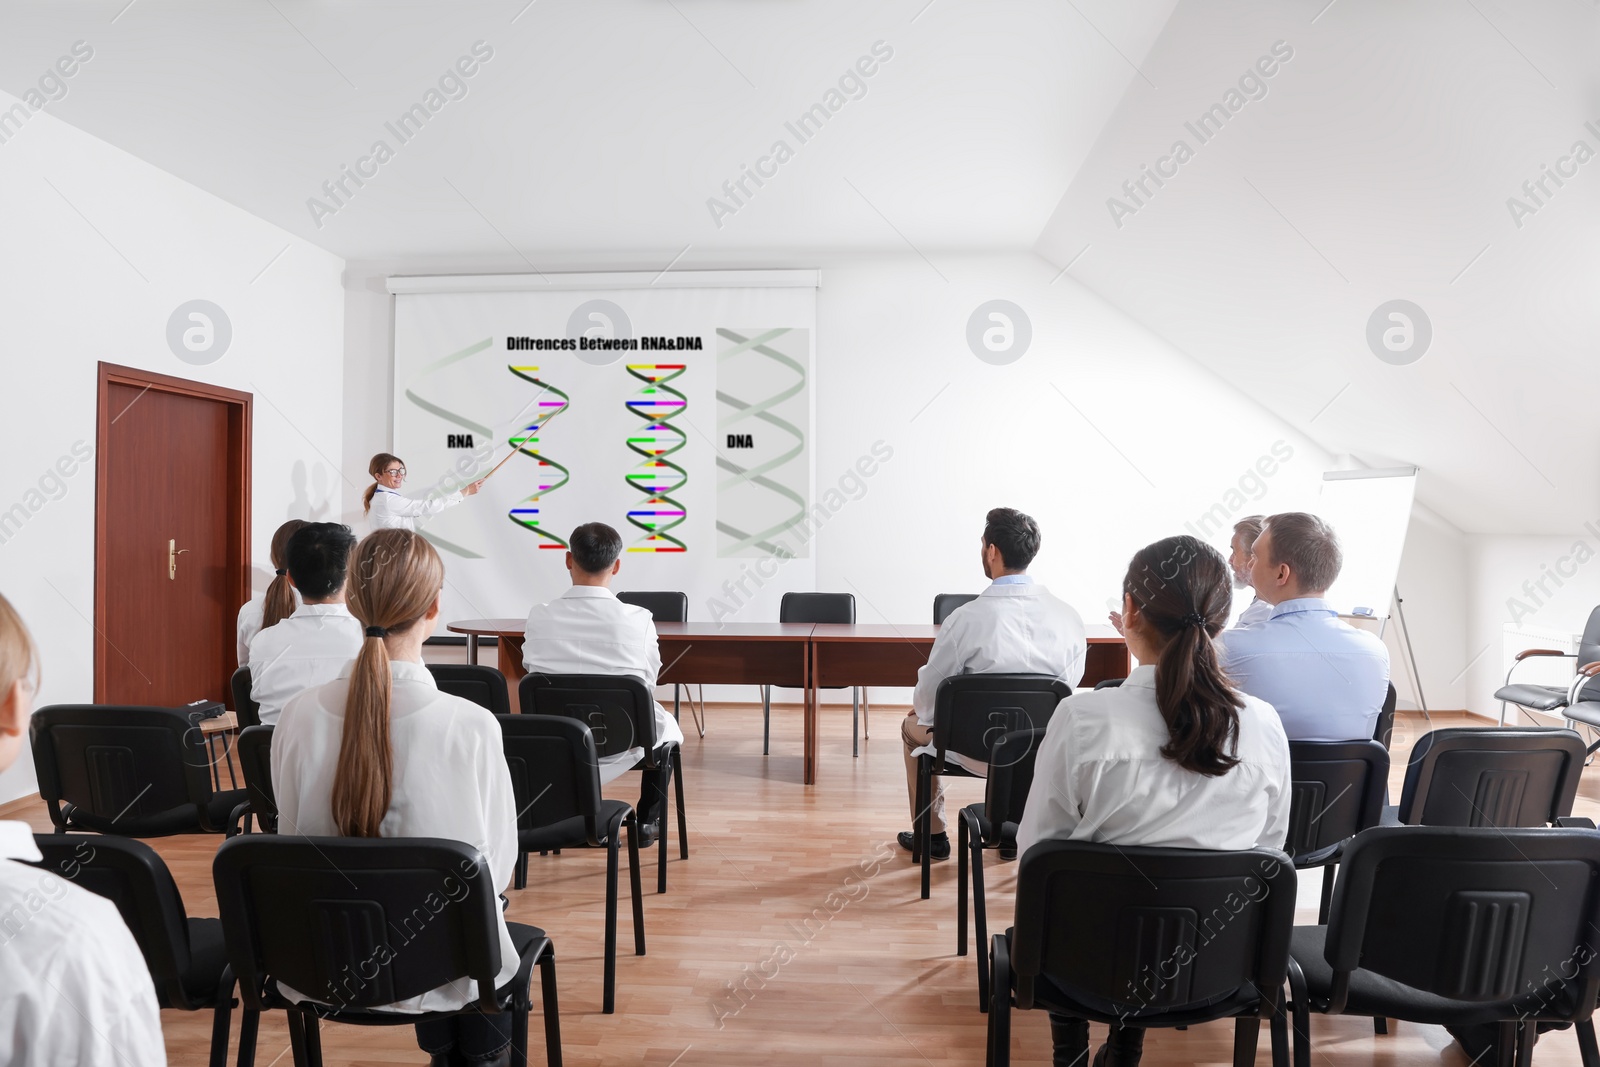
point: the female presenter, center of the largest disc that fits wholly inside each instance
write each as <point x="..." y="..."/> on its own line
<point x="390" y="510"/>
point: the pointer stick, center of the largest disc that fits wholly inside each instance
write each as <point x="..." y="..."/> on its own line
<point x="497" y="466"/>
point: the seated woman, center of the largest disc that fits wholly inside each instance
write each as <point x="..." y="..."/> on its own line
<point x="1175" y="757"/>
<point x="380" y="752"/>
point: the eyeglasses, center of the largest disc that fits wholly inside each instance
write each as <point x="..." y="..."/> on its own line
<point x="396" y="472"/>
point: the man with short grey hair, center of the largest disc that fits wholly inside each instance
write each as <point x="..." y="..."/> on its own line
<point x="1326" y="679"/>
<point x="1245" y="532"/>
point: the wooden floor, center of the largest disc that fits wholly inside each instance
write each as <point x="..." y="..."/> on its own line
<point x="774" y="873"/>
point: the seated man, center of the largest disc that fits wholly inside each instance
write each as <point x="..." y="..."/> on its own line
<point x="310" y="647"/>
<point x="1245" y="532"/>
<point x="587" y="630"/>
<point x="1326" y="679"/>
<point x="1014" y="627"/>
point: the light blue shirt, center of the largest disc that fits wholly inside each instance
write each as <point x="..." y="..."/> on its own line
<point x="1013" y="579"/>
<point x="1326" y="679"/>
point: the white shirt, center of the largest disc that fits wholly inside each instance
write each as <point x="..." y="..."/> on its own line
<point x="77" y="988"/>
<point x="587" y="630"/>
<point x="305" y="650"/>
<point x="1014" y="627"/>
<point x="1327" y="679"/>
<point x="391" y="511"/>
<point x="1100" y="776"/>
<point x="250" y="618"/>
<point x="1258" y="611"/>
<point x="450" y="781"/>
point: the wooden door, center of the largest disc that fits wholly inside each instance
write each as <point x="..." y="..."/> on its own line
<point x="171" y="537"/>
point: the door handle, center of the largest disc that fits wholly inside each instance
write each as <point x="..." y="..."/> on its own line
<point x="173" y="552"/>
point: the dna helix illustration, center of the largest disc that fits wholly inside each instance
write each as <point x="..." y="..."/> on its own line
<point x="657" y="476"/>
<point x="552" y="475"/>
<point x="788" y="498"/>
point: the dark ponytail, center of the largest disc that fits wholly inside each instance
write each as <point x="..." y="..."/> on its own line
<point x="1181" y="587"/>
<point x="278" y="603"/>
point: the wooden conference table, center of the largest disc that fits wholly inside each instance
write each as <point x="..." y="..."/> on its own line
<point x="805" y="656"/>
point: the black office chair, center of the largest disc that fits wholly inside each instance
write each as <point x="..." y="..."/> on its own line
<point x="555" y="775"/>
<point x="245" y="708"/>
<point x="1477" y="776"/>
<point x="945" y="603"/>
<point x="969" y="712"/>
<point x="1556" y="700"/>
<point x="1148" y="937"/>
<point x="1337" y="791"/>
<point x="319" y="914"/>
<point x="672" y="606"/>
<point x="819" y="607"/>
<point x="1383" y="731"/>
<point x="1457" y="927"/>
<point x="187" y="962"/>
<point x="133" y="771"/>
<point x="620" y="712"/>
<point x="254" y="749"/>
<point x="479" y="683"/>
<point x="993" y="825"/>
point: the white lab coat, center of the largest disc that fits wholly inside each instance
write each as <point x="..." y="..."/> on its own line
<point x="78" y="990"/>
<point x="307" y="649"/>
<point x="1100" y="776"/>
<point x="587" y="630"/>
<point x="249" y="624"/>
<point x="391" y="511"/>
<point x="450" y="781"/>
<point x="1014" y="627"/>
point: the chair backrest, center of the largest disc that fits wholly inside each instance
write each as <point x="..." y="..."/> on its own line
<point x="1589" y="642"/>
<point x="132" y="876"/>
<point x="134" y="771"/>
<point x="477" y="682"/>
<point x="1449" y="911"/>
<point x="945" y="603"/>
<point x="971" y="711"/>
<point x="322" y="914"/>
<point x="555" y="771"/>
<point x="662" y="606"/>
<point x="245" y="709"/>
<point x="1383" y="732"/>
<point x="1152" y="930"/>
<point x="817" y="607"/>
<point x="1011" y="759"/>
<point x="619" y="709"/>
<point x="1482" y="776"/>
<point x="254" y="752"/>
<point x="1337" y="791"/>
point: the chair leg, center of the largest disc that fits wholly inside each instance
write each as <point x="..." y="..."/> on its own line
<point x="219" y="1026"/>
<point x="665" y="770"/>
<point x="1000" y="1003"/>
<point x="683" y="817"/>
<point x="866" y="716"/>
<point x="1280" y="1032"/>
<point x="980" y="917"/>
<point x="608" y="995"/>
<point x="1506" y="1047"/>
<point x="766" y="718"/>
<point x="249" y="1024"/>
<point x="925" y="821"/>
<point x="855" y="724"/>
<point x="961" y="890"/>
<point x="1380" y="1025"/>
<point x="1587" y="1049"/>
<point x="1246" y="1032"/>
<point x="552" y="1013"/>
<point x="305" y="1039"/>
<point x="1328" y="873"/>
<point x="1527" y="1037"/>
<point x="519" y="880"/>
<point x="632" y="824"/>
<point x="519" y="1034"/>
<point x="1302" y="1015"/>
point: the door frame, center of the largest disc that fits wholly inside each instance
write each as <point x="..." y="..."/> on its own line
<point x="236" y="578"/>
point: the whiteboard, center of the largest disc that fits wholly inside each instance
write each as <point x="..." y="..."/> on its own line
<point x="1370" y="511"/>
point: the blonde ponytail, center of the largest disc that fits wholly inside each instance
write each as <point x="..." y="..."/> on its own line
<point x="395" y="577"/>
<point x="278" y="603"/>
<point x="375" y="468"/>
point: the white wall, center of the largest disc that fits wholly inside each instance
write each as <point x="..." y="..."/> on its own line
<point x="99" y="249"/>
<point x="1170" y="443"/>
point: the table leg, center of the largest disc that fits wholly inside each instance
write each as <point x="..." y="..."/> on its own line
<point x="472" y="649"/>
<point x="809" y="767"/>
